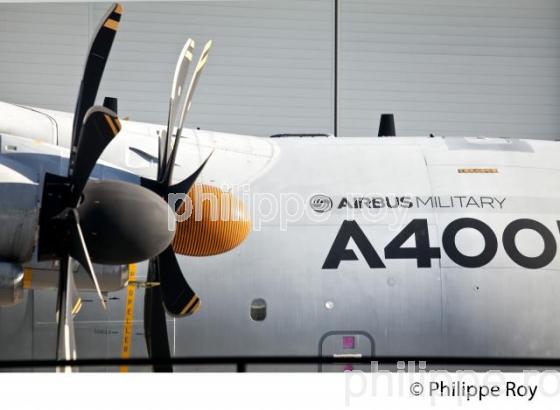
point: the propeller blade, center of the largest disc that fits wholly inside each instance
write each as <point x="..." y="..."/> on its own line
<point x="79" y="251"/>
<point x="77" y="302"/>
<point x="185" y="107"/>
<point x="95" y="65"/>
<point x="179" y="91"/>
<point x="155" y="326"/>
<point x="65" y="339"/>
<point x="183" y="186"/>
<point x="100" y="127"/>
<point x="178" y="297"/>
<point x="163" y="142"/>
<point x="178" y="95"/>
<point x="194" y="82"/>
<point x="186" y="184"/>
<point x="78" y="305"/>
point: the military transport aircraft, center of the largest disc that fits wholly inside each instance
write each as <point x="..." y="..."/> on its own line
<point x="312" y="246"/>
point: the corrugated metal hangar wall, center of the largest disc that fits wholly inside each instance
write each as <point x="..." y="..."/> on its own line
<point x="451" y="67"/>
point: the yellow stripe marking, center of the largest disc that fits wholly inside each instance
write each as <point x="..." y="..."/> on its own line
<point x="77" y="307"/>
<point x="118" y="9"/>
<point x="111" y="124"/>
<point x="27" y="278"/>
<point x="478" y="170"/>
<point x="118" y="123"/>
<point x="128" y="316"/>
<point x="201" y="63"/>
<point x="191" y="303"/>
<point x="196" y="308"/>
<point x="111" y="24"/>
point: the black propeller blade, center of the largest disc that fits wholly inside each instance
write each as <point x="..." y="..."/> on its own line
<point x="178" y="297"/>
<point x="155" y="328"/>
<point x="100" y="127"/>
<point x="65" y="336"/>
<point x="95" y="65"/>
<point x="77" y="247"/>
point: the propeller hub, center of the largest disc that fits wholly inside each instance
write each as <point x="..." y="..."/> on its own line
<point x="124" y="223"/>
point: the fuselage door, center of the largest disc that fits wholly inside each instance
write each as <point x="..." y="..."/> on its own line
<point x="341" y="344"/>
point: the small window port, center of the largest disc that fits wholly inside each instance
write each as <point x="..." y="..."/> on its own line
<point x="258" y="310"/>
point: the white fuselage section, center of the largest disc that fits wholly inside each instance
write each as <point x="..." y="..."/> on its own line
<point x="412" y="246"/>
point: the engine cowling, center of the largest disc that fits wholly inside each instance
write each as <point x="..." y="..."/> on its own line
<point x="11" y="283"/>
<point x="19" y="195"/>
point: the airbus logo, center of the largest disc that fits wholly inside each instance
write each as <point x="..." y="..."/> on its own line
<point x="321" y="203"/>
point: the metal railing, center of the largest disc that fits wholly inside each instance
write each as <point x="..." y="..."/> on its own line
<point x="241" y="363"/>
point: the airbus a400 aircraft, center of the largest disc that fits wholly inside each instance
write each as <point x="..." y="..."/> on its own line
<point x="321" y="247"/>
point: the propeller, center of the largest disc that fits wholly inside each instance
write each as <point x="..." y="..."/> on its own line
<point x="173" y="293"/>
<point x="108" y="222"/>
<point x="80" y="217"/>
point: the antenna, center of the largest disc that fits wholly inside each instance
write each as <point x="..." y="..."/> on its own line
<point x="387" y="126"/>
<point x="111" y="103"/>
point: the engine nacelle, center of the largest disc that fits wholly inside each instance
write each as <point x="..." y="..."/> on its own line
<point x="11" y="283"/>
<point x="19" y="198"/>
<point x="44" y="275"/>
